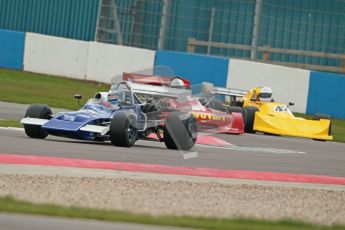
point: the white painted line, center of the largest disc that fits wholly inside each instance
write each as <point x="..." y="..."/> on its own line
<point x="255" y="149"/>
<point x="189" y="155"/>
<point x="12" y="128"/>
<point x="194" y="154"/>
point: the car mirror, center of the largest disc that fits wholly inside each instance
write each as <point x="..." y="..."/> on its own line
<point x="291" y="103"/>
<point x="78" y="97"/>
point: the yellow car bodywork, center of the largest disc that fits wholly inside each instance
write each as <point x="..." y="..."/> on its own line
<point x="277" y="118"/>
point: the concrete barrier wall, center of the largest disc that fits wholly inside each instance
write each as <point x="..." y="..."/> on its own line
<point x="55" y="56"/>
<point x="312" y="92"/>
<point x="326" y="94"/>
<point x="11" y="49"/>
<point x="108" y="61"/>
<point x="82" y="60"/>
<point x="194" y="67"/>
<point x="288" y="84"/>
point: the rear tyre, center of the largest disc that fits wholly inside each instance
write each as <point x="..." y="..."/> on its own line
<point x="123" y="132"/>
<point x="249" y="119"/>
<point x="236" y="109"/>
<point x="180" y="131"/>
<point x="37" y="111"/>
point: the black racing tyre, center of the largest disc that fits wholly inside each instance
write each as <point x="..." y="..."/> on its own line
<point x="319" y="116"/>
<point x="123" y="131"/>
<point x="37" y="111"/>
<point x="236" y="109"/>
<point x="249" y="118"/>
<point x="180" y="131"/>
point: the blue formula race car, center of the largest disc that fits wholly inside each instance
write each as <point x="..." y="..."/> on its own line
<point x="117" y="116"/>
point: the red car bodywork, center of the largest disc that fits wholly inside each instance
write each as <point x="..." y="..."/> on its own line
<point x="209" y="120"/>
<point x="212" y="120"/>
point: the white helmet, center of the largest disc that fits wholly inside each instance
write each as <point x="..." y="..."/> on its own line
<point x="177" y="83"/>
<point x="265" y="94"/>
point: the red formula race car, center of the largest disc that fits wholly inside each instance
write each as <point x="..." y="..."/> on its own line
<point x="177" y="93"/>
<point x="213" y="119"/>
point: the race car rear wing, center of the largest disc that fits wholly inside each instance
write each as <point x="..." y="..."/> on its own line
<point x="235" y="95"/>
<point x="228" y="91"/>
<point x="143" y="91"/>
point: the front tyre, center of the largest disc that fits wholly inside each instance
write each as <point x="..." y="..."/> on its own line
<point x="123" y="132"/>
<point x="249" y="119"/>
<point x="236" y="109"/>
<point x="37" y="111"/>
<point x="180" y="131"/>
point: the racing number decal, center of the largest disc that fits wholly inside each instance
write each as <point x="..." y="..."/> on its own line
<point x="281" y="108"/>
<point x="204" y="116"/>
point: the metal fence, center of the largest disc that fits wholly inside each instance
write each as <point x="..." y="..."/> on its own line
<point x="306" y="25"/>
<point x="310" y="25"/>
<point x="74" y="19"/>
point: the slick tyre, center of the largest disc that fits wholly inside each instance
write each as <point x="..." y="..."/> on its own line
<point x="123" y="131"/>
<point x="249" y="119"/>
<point x="41" y="112"/>
<point x="236" y="109"/>
<point x="180" y="131"/>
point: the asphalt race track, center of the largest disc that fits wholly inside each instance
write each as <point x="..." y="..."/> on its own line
<point x="247" y="152"/>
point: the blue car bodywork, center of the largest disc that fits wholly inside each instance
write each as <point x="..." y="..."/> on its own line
<point x="92" y="121"/>
<point x="69" y="124"/>
<point x="122" y="123"/>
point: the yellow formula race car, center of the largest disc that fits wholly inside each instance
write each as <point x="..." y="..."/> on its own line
<point x="262" y="114"/>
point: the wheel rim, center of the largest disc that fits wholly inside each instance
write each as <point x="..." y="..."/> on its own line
<point x="131" y="133"/>
<point x="47" y="115"/>
<point x="192" y="129"/>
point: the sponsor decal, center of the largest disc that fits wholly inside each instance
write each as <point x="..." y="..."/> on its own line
<point x="281" y="108"/>
<point x="204" y="116"/>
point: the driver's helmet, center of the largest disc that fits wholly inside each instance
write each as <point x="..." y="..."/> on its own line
<point x="177" y="83"/>
<point x="265" y="94"/>
<point x="116" y="95"/>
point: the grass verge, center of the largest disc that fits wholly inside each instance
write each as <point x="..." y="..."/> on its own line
<point x="8" y="204"/>
<point x="28" y="88"/>
<point x="10" y="123"/>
